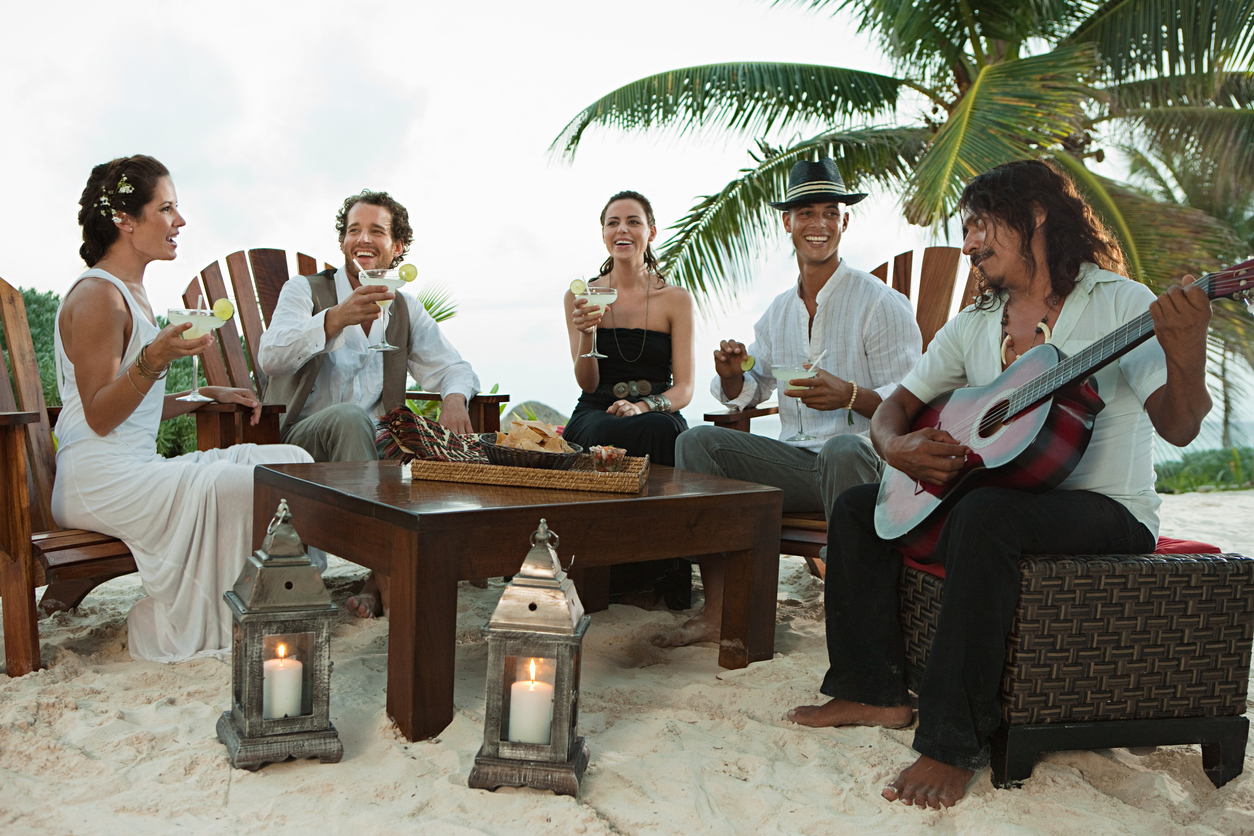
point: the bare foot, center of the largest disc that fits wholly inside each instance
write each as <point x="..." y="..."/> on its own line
<point x="699" y="628"/>
<point x="929" y="783"/>
<point x="846" y="713"/>
<point x="368" y="602"/>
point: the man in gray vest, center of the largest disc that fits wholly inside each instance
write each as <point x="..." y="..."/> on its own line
<point x="319" y="349"/>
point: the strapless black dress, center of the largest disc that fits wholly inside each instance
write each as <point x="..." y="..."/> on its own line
<point x="651" y="433"/>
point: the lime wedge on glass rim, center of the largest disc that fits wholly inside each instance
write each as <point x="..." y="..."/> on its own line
<point x="223" y="309"/>
<point x="578" y="286"/>
<point x="408" y="272"/>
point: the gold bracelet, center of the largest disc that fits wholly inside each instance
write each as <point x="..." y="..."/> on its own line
<point x="127" y="375"/>
<point x="146" y="369"/>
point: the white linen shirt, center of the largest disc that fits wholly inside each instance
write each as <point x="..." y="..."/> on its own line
<point x="1119" y="461"/>
<point x="870" y="335"/>
<point x="352" y="373"/>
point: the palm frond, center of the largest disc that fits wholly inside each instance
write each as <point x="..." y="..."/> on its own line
<point x="712" y="250"/>
<point x="1148" y="176"/>
<point x="1223" y="135"/>
<point x="1173" y="91"/>
<point x="1012" y="111"/>
<point x="437" y="299"/>
<point x="1142" y="38"/>
<point x="745" y="99"/>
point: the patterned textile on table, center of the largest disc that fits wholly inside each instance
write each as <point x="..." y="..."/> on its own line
<point x="404" y="436"/>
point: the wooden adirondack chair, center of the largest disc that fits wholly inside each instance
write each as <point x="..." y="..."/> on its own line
<point x="805" y="534"/>
<point x="256" y="295"/>
<point x="33" y="550"/>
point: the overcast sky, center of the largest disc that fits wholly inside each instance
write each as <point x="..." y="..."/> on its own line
<point x="269" y="114"/>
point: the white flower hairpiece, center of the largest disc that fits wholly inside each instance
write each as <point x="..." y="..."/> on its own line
<point x="123" y="187"/>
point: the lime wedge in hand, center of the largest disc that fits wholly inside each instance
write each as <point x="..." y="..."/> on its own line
<point x="747" y="363"/>
<point x="408" y="272"/>
<point x="578" y="286"/>
<point x="223" y="309"/>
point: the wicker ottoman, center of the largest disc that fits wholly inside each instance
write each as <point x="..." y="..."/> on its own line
<point x="1114" y="650"/>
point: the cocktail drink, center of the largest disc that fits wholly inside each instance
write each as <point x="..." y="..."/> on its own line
<point x="598" y="299"/>
<point x="202" y="323"/>
<point x="391" y="279"/>
<point x="782" y="375"/>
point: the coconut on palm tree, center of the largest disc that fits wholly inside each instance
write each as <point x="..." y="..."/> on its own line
<point x="976" y="83"/>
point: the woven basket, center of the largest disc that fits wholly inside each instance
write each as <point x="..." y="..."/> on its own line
<point x="513" y="457"/>
<point x="1115" y="637"/>
<point x="580" y="477"/>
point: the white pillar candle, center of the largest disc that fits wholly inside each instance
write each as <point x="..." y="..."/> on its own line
<point x="282" y="687"/>
<point x="530" y="712"/>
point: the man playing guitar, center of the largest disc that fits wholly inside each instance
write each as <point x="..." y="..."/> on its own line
<point x="1048" y="273"/>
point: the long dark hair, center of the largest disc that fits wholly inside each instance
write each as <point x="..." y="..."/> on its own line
<point x="650" y="260"/>
<point x="122" y="185"/>
<point x="1011" y="193"/>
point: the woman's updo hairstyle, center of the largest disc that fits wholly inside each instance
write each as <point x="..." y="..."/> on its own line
<point x="122" y="185"/>
<point x="650" y="260"/>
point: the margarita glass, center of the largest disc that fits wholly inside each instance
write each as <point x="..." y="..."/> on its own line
<point x="391" y="279"/>
<point x="598" y="299"/>
<point x="202" y="323"/>
<point x="782" y="375"/>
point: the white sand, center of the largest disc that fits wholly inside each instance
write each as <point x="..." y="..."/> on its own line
<point x="97" y="743"/>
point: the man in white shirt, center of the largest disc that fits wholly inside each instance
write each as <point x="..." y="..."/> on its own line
<point x="317" y="351"/>
<point x="1048" y="273"/>
<point x="864" y="336"/>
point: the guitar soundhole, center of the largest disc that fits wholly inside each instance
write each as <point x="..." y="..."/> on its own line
<point x="994" y="419"/>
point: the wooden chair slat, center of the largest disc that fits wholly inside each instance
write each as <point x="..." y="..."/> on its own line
<point x="269" y="274"/>
<point x="47" y="542"/>
<point x="246" y="309"/>
<point x="98" y="569"/>
<point x="306" y="265"/>
<point x="881" y="272"/>
<point x="29" y="394"/>
<point x="228" y="334"/>
<point x="64" y="558"/>
<point x="210" y="360"/>
<point x="903" y="264"/>
<point x="936" y="289"/>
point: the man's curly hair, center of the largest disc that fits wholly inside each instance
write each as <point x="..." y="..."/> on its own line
<point x="401" y="230"/>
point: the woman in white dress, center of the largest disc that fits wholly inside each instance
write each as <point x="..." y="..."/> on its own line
<point x="187" y="520"/>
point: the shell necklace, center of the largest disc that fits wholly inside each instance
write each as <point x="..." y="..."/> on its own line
<point x="1042" y="329"/>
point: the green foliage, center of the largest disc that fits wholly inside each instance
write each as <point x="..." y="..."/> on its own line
<point x="1223" y="469"/>
<point x="41" y="315"/>
<point x="1003" y="80"/>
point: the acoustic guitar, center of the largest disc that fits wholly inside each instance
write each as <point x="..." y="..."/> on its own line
<point x="1026" y="430"/>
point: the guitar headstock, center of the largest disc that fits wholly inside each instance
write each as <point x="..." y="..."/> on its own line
<point x="1236" y="282"/>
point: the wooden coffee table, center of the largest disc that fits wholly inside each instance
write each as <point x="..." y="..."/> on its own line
<point x="426" y="536"/>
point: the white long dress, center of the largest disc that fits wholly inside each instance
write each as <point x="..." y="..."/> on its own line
<point x="187" y="520"/>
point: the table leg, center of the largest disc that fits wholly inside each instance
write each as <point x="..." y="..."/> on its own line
<point x="422" y="634"/>
<point x="593" y="585"/>
<point x="749" y="594"/>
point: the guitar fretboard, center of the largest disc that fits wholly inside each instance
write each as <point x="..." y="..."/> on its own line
<point x="1117" y="343"/>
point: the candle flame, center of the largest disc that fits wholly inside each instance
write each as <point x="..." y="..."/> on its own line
<point x="533" y="671"/>
<point x="282" y="651"/>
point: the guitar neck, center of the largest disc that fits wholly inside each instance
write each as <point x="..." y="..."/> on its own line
<point x="1236" y="281"/>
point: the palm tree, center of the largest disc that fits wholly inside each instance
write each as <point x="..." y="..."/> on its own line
<point x="976" y="83"/>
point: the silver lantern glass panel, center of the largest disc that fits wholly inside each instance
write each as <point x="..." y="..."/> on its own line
<point x="281" y="656"/>
<point x="535" y="644"/>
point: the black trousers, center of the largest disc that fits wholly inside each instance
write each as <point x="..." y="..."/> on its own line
<point x="979" y="546"/>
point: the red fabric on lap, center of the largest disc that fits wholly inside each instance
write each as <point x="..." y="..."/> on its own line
<point x="1166" y="545"/>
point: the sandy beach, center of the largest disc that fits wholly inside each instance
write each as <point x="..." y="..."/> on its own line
<point x="99" y="744"/>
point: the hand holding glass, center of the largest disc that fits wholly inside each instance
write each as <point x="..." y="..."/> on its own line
<point x="783" y="375"/>
<point x="202" y="323"/>
<point x="391" y="279"/>
<point x="598" y="299"/>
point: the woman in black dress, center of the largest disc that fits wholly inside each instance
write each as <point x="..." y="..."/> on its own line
<point x="632" y="397"/>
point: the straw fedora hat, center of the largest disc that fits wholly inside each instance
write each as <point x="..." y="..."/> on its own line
<point x="819" y="182"/>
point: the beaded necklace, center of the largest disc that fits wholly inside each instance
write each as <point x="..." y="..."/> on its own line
<point x="647" y="289"/>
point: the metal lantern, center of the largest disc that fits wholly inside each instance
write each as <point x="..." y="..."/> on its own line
<point x="535" y="638"/>
<point x="281" y="663"/>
